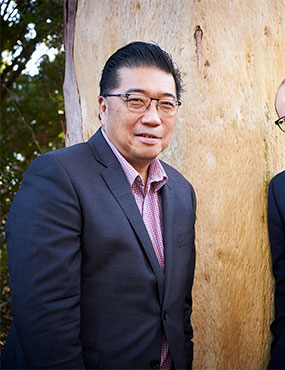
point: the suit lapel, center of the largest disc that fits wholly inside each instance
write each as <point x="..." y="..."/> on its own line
<point x="168" y="214"/>
<point x="117" y="183"/>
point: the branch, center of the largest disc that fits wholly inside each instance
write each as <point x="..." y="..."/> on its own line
<point x="26" y="53"/>
<point x="25" y="123"/>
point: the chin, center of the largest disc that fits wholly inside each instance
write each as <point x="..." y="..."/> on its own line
<point x="151" y="155"/>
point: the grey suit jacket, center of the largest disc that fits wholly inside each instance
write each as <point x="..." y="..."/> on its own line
<point x="88" y="291"/>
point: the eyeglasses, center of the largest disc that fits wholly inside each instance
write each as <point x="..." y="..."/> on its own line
<point x="281" y="122"/>
<point x="140" y="103"/>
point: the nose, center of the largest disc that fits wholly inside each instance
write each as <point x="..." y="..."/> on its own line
<point x="151" y="115"/>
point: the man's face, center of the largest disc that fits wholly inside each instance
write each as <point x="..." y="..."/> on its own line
<point x="280" y="101"/>
<point x="139" y="137"/>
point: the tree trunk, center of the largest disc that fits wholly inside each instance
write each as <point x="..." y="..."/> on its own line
<point x="70" y="88"/>
<point x="232" y="59"/>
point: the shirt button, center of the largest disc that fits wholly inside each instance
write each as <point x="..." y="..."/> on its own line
<point x="165" y="315"/>
<point x="155" y="364"/>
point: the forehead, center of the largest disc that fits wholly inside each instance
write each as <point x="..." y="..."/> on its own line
<point x="148" y="80"/>
<point x="280" y="101"/>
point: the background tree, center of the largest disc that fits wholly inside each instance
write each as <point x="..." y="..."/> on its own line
<point x="32" y="108"/>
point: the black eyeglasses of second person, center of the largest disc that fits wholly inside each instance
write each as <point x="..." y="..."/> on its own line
<point x="281" y="123"/>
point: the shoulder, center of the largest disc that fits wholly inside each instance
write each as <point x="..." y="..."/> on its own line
<point x="276" y="191"/>
<point x="57" y="166"/>
<point x="279" y="180"/>
<point x="182" y="194"/>
<point x="64" y="154"/>
<point x="277" y="185"/>
<point x="175" y="175"/>
<point x="69" y="157"/>
<point x="182" y="187"/>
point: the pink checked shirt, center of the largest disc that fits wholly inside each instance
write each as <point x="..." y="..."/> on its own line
<point x="149" y="202"/>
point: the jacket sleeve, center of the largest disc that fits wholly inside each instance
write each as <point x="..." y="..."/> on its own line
<point x="276" y="228"/>
<point x="44" y="256"/>
<point x="188" y="298"/>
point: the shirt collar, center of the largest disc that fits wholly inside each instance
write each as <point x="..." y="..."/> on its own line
<point x="156" y="176"/>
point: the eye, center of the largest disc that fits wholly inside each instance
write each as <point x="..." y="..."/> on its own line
<point x="167" y="104"/>
<point x="136" y="101"/>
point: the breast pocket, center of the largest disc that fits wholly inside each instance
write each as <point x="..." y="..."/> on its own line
<point x="185" y="250"/>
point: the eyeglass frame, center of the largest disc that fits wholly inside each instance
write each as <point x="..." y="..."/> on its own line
<point x="177" y="102"/>
<point x="277" y="122"/>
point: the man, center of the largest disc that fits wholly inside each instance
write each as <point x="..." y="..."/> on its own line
<point x="101" y="235"/>
<point x="276" y="227"/>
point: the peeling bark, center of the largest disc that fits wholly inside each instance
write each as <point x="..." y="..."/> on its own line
<point x="70" y="87"/>
<point x="198" y="35"/>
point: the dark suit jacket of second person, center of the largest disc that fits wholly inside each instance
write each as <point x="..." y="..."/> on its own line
<point x="88" y="291"/>
<point x="276" y="228"/>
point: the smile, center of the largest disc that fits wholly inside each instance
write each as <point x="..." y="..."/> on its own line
<point x="148" y="139"/>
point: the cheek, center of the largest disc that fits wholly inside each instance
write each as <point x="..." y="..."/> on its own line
<point x="169" y="130"/>
<point x="167" y="137"/>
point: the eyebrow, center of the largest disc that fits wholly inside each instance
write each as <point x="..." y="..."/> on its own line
<point x="142" y="91"/>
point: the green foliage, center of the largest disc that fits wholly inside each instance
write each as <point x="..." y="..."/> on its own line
<point x="24" y="24"/>
<point x="32" y="108"/>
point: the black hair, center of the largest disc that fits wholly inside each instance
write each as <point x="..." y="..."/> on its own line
<point x="134" y="55"/>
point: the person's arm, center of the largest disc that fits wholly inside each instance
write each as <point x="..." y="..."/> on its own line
<point x="276" y="228"/>
<point x="188" y="300"/>
<point x="44" y="256"/>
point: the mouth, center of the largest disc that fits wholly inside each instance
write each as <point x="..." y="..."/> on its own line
<point x="149" y="136"/>
<point x="148" y="139"/>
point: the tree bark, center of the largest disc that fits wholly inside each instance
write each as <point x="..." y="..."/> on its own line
<point x="70" y="88"/>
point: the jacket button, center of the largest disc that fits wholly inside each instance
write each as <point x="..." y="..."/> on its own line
<point x="165" y="315"/>
<point x="155" y="364"/>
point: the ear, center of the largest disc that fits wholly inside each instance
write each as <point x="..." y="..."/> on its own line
<point x="102" y="109"/>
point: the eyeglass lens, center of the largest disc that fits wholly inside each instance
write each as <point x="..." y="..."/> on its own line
<point x="140" y="103"/>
